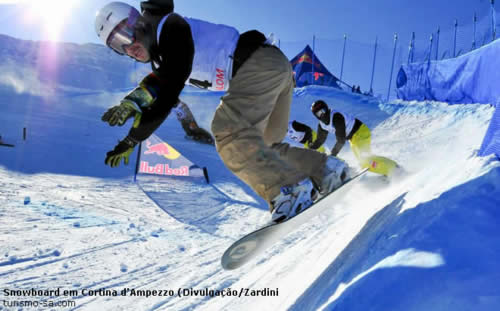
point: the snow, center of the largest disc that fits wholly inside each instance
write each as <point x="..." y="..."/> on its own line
<point x="426" y="241"/>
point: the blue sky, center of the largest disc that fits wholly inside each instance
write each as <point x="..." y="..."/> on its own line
<point x="292" y="20"/>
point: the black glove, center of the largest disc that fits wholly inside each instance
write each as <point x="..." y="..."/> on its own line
<point x="121" y="151"/>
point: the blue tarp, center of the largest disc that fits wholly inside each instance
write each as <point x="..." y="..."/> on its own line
<point x="471" y="78"/>
<point x="491" y="141"/>
<point x="305" y="74"/>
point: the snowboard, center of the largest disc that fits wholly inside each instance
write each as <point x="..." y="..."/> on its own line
<point x="256" y="242"/>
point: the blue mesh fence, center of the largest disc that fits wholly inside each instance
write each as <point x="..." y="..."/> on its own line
<point x="455" y="40"/>
<point x="355" y="67"/>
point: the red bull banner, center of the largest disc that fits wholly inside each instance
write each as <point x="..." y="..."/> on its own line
<point x="160" y="159"/>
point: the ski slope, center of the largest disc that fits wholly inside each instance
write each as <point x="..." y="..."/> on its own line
<point x="427" y="241"/>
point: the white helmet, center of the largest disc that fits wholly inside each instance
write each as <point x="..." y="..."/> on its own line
<point x="109" y="18"/>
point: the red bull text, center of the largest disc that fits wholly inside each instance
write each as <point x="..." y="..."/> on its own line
<point x="163" y="169"/>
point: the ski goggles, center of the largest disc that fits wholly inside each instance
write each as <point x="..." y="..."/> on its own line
<point x="320" y="113"/>
<point x="123" y="35"/>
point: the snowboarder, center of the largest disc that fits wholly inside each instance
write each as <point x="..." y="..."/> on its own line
<point x="346" y="127"/>
<point x="251" y="119"/>
<point x="303" y="134"/>
<point x="189" y="124"/>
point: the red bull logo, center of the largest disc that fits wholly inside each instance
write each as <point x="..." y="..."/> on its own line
<point x="162" y="149"/>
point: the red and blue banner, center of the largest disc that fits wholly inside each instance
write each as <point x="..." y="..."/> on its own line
<point x="161" y="159"/>
<point x="309" y="70"/>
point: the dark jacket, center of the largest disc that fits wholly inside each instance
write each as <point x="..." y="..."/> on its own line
<point x="172" y="62"/>
<point x="157" y="7"/>
<point x="340" y="132"/>
<point x="301" y="127"/>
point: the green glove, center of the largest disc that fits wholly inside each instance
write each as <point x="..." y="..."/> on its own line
<point x="131" y="106"/>
<point x="121" y="151"/>
<point x="118" y="115"/>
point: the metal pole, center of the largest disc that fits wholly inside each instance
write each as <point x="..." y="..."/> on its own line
<point x="455" y="39"/>
<point x="430" y="48"/>
<point x="410" y="49"/>
<point x="474" y="32"/>
<point x="493" y="20"/>
<point x="139" y="150"/>
<point x="437" y="43"/>
<point x="137" y="161"/>
<point x="314" y="48"/>
<point x="373" y="65"/>
<point x="343" y="55"/>
<point x="392" y="66"/>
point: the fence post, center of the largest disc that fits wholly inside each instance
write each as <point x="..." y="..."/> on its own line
<point x="137" y="161"/>
<point x="314" y="48"/>
<point x="474" y="32"/>
<point x="437" y="43"/>
<point x="392" y="66"/>
<point x="373" y="65"/>
<point x="410" y="49"/>
<point x="430" y="47"/>
<point x="455" y="39"/>
<point x="493" y="20"/>
<point x="343" y="55"/>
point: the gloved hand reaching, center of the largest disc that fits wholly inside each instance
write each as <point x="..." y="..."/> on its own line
<point x="121" y="151"/>
<point x="131" y="106"/>
<point x="118" y="115"/>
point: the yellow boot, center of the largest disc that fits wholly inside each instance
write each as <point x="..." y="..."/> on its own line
<point x="380" y="165"/>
